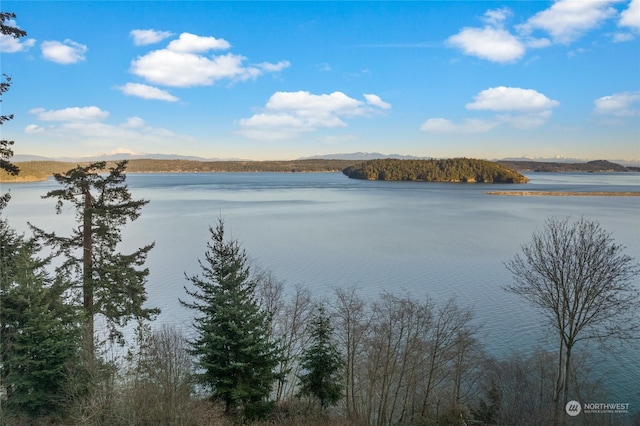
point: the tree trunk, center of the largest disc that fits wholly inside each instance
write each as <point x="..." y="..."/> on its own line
<point x="559" y="384"/>
<point x="87" y="276"/>
<point x="565" y="393"/>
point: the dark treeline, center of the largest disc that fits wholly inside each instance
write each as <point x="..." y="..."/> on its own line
<point x="482" y="171"/>
<point x="543" y="166"/>
<point x="261" y="352"/>
<point x="41" y="170"/>
<point x="448" y="170"/>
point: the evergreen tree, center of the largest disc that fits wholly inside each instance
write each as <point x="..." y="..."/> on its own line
<point x="5" y="145"/>
<point x="321" y="363"/>
<point x="111" y="283"/>
<point x="39" y="333"/>
<point x="236" y="357"/>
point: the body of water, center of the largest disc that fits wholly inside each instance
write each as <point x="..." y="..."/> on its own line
<point x="325" y="231"/>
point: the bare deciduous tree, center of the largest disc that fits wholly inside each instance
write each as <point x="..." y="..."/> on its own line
<point x="288" y="328"/>
<point x="352" y="326"/>
<point x="583" y="283"/>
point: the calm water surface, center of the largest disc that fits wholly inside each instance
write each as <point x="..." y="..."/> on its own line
<point x="325" y="231"/>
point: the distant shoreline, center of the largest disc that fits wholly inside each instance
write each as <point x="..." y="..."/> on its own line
<point x="565" y="194"/>
<point x="38" y="171"/>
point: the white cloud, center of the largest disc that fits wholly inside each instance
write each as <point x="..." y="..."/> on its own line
<point x="537" y="43"/>
<point x="88" y="125"/>
<point x="90" y="113"/>
<point x="568" y="20"/>
<point x="134" y="123"/>
<point x="147" y="92"/>
<point x="630" y="17"/>
<point x="33" y="128"/>
<point x="376" y="101"/>
<point x="496" y="17"/>
<point x="10" y="44"/>
<point x="511" y="99"/>
<point x="145" y="37"/>
<point x="624" y="104"/>
<point x="177" y="69"/>
<point x="66" y="52"/>
<point x="622" y="37"/>
<point x="191" y="43"/>
<point x="269" y="67"/>
<point x="528" y="120"/>
<point x="289" y="114"/>
<point x="443" y="125"/>
<point x="520" y="108"/>
<point x="564" y="22"/>
<point x="182" y="63"/>
<point x="490" y="43"/>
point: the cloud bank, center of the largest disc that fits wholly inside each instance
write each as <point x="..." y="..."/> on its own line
<point x="287" y="115"/>
<point x="188" y="62"/>
<point x="619" y="105"/>
<point x="88" y="125"/>
<point x="563" y="23"/>
<point x="518" y="108"/>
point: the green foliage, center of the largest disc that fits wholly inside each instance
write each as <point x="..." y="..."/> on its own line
<point x="39" y="333"/>
<point x="449" y="170"/>
<point x="321" y="363"/>
<point x="112" y="283"/>
<point x="236" y="358"/>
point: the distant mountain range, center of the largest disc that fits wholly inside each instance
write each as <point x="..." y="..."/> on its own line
<point x="376" y="156"/>
<point x="362" y="156"/>
<point x="118" y="157"/>
<point x="353" y="156"/>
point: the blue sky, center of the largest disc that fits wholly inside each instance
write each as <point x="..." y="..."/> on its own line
<point x="282" y="80"/>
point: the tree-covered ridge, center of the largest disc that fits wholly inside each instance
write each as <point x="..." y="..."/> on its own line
<point x="544" y="166"/>
<point x="447" y="170"/>
<point x="41" y="170"/>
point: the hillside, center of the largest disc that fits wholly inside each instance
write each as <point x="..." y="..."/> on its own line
<point x="543" y="166"/>
<point x="40" y="170"/>
<point x="449" y="170"/>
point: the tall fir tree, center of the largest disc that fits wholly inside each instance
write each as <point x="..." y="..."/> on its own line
<point x="236" y="357"/>
<point x="321" y="363"/>
<point x="39" y="332"/>
<point x="7" y="30"/>
<point x="112" y="284"/>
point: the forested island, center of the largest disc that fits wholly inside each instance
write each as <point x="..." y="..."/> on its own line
<point x="447" y="170"/>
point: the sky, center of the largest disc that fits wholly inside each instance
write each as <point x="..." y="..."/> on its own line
<point x="284" y="80"/>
